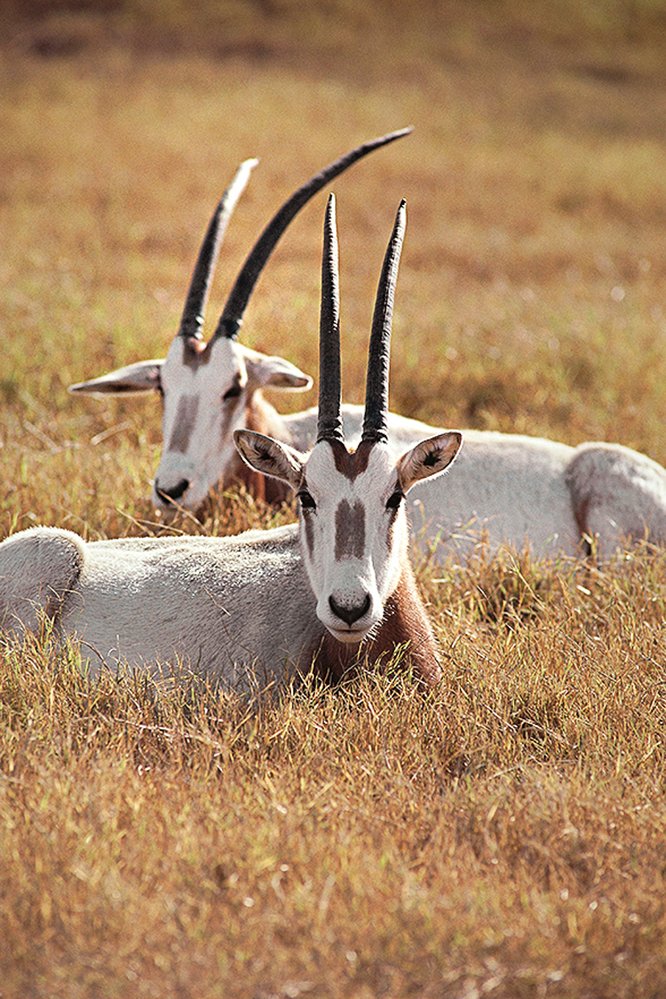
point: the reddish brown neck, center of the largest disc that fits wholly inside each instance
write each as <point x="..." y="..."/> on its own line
<point x="262" y="417"/>
<point x="405" y="622"/>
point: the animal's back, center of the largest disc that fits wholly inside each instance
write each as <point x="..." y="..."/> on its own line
<point x="226" y="608"/>
<point x="507" y="489"/>
<point x="504" y="489"/>
<point x="618" y="494"/>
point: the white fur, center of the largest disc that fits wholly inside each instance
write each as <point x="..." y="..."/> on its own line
<point x="223" y="364"/>
<point x="209" y="453"/>
<point x="519" y="491"/>
<point x="206" y="603"/>
<point x="508" y="489"/>
<point x="377" y="570"/>
<point x="237" y="610"/>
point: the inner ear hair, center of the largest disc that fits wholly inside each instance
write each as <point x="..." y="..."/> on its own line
<point x="270" y="457"/>
<point x="428" y="458"/>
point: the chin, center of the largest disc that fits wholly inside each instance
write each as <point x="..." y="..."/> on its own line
<point x="168" y="511"/>
<point x="165" y="512"/>
<point x="161" y="509"/>
<point x="346" y="637"/>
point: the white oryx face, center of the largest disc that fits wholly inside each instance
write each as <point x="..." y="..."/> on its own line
<point x="207" y="393"/>
<point x="353" y="525"/>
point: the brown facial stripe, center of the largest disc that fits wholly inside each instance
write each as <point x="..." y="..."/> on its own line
<point x="390" y="528"/>
<point x="306" y="518"/>
<point x="186" y="414"/>
<point x="394" y="510"/>
<point x="349" y="530"/>
<point x="351" y="465"/>
<point x="228" y="412"/>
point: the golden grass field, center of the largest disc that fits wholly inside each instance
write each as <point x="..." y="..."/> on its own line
<point x="503" y="835"/>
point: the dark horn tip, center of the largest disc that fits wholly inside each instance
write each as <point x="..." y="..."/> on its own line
<point x="375" y="421"/>
<point x="267" y="241"/>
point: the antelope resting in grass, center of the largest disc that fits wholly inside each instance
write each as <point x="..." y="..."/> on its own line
<point x="264" y="603"/>
<point x="509" y="489"/>
<point x="209" y="390"/>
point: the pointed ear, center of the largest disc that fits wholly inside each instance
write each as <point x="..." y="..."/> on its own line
<point x="270" y="457"/>
<point x="276" y="372"/>
<point x="428" y="458"/>
<point x="144" y="376"/>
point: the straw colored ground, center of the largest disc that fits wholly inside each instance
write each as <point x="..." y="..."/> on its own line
<point x="503" y="836"/>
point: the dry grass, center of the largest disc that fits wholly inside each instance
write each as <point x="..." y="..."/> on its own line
<point x="504" y="835"/>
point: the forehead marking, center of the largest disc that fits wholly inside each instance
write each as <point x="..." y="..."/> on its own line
<point x="349" y="530"/>
<point x="351" y="465"/>
<point x="186" y="414"/>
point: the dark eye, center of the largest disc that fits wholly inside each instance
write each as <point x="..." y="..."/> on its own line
<point x="394" y="500"/>
<point x="306" y="500"/>
<point x="232" y="393"/>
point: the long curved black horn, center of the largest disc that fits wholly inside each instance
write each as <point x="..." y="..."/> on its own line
<point x="329" y="422"/>
<point x="375" y="419"/>
<point x="191" y="323"/>
<point x="232" y="316"/>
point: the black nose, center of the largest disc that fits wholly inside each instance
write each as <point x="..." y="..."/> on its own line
<point x="352" y="613"/>
<point x="175" y="492"/>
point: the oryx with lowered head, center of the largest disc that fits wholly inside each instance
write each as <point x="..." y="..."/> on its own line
<point x="211" y="388"/>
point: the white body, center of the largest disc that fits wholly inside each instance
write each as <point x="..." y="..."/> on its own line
<point x="519" y="491"/>
<point x="205" y="603"/>
<point x="252" y="609"/>
<point x="508" y="489"/>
